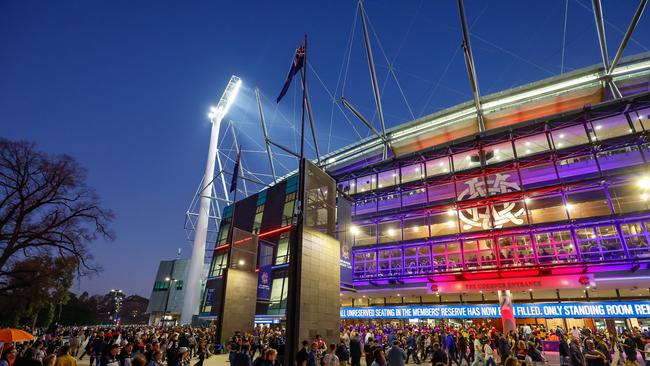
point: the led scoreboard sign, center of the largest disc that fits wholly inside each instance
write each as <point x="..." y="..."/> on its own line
<point x="547" y="310"/>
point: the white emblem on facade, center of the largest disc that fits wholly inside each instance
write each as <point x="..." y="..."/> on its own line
<point x="500" y="213"/>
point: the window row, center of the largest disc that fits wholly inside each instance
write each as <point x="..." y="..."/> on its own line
<point x="586" y="244"/>
<point x="518" y="147"/>
<point x="532" y="209"/>
<point x="542" y="174"/>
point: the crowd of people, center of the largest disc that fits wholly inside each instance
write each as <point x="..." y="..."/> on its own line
<point x="111" y="346"/>
<point x="486" y="346"/>
<point x="375" y="345"/>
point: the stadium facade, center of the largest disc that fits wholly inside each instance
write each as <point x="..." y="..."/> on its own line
<point x="549" y="202"/>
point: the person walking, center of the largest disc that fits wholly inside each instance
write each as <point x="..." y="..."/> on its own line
<point x="575" y="354"/>
<point x="411" y="349"/>
<point x="64" y="358"/>
<point x="343" y="352"/>
<point x="330" y="358"/>
<point x="355" y="350"/>
<point x="396" y="355"/>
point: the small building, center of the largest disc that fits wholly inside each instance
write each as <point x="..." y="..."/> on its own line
<point x="166" y="300"/>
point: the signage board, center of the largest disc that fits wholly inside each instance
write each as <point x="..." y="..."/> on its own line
<point x="542" y="310"/>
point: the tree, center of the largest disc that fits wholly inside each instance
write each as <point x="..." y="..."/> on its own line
<point x="133" y="310"/>
<point x="38" y="288"/>
<point x="46" y="209"/>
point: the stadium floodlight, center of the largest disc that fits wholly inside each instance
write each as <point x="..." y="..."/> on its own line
<point x="217" y="113"/>
<point x="227" y="99"/>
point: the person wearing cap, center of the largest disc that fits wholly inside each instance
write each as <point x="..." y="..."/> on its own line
<point x="109" y="358"/>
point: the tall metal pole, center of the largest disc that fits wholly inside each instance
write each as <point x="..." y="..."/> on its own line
<point x="373" y="74"/>
<point x="192" y="299"/>
<point x="628" y="35"/>
<point x="266" y="134"/>
<point x="471" y="70"/>
<point x="602" y="41"/>
<point x="310" y="114"/>
<point x="303" y="75"/>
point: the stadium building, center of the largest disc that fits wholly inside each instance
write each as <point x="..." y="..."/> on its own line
<point x="549" y="201"/>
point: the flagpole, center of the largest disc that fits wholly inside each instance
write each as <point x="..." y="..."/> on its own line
<point x="304" y="101"/>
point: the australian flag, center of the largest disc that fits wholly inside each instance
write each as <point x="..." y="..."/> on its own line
<point x="296" y="65"/>
<point x="235" y="175"/>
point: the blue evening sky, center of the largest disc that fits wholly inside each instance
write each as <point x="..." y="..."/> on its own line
<point x="124" y="86"/>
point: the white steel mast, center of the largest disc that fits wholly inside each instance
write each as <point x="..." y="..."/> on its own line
<point x="192" y="299"/>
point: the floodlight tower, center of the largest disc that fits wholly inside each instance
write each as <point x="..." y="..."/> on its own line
<point x="192" y="299"/>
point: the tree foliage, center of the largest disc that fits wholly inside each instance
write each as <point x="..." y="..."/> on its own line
<point x="46" y="211"/>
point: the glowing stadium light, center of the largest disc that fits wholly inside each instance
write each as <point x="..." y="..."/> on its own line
<point x="644" y="182"/>
<point x="227" y="98"/>
<point x="644" y="196"/>
<point x="354" y="230"/>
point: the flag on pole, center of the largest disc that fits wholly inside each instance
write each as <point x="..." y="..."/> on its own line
<point x="297" y="64"/>
<point x="235" y="175"/>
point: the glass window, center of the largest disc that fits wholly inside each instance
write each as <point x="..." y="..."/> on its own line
<point x="364" y="264"/>
<point x="390" y="232"/>
<point x="437" y="166"/>
<point x="641" y="119"/>
<point x="443" y="222"/>
<point x="509" y="214"/>
<point x="588" y="204"/>
<point x="446" y="256"/>
<point x="466" y="160"/>
<point x="388" y="178"/>
<point x="218" y="264"/>
<point x="588" y="242"/>
<point x="282" y="251"/>
<point x="365" y="206"/>
<point x="475" y="218"/>
<point x="470" y="189"/>
<point x="389" y="201"/>
<point x="611" y="127"/>
<point x="365" y="235"/>
<point x="497" y="153"/>
<point x="628" y="198"/>
<point x="278" y="301"/>
<point x="414" y="197"/>
<point x="636" y="239"/>
<point x="347" y="186"/>
<point x="416" y="228"/>
<point x="577" y="168"/>
<point x="538" y="176"/>
<point x="417" y="260"/>
<point x="257" y="221"/>
<point x="441" y="193"/>
<point x="479" y="254"/>
<point x="531" y="145"/>
<point x="610" y="242"/>
<point x="289" y="208"/>
<point x="502" y="183"/>
<point x="555" y="247"/>
<point x="570" y="136"/>
<point x="390" y="262"/>
<point x="367" y="183"/>
<point x="547" y="208"/>
<point x="622" y="158"/>
<point x="515" y="251"/>
<point x="412" y="172"/>
<point x="223" y="234"/>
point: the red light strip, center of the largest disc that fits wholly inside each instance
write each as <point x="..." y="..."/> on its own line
<point x="275" y="231"/>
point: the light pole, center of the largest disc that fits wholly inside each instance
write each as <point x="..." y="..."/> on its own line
<point x="193" y="290"/>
